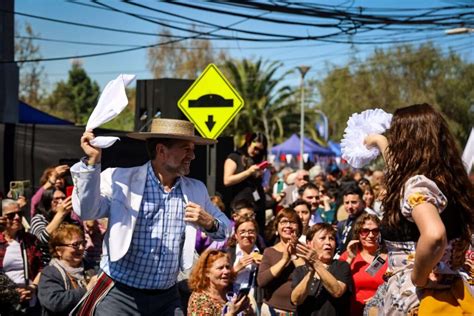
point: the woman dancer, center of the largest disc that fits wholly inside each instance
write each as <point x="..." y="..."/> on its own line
<point x="428" y="211"/>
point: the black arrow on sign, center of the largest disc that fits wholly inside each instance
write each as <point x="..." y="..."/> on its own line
<point x="210" y="122"/>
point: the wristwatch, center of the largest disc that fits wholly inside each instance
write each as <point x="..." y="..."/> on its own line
<point x="215" y="226"/>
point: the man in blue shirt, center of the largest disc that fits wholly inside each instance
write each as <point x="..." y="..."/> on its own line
<point x="153" y="212"/>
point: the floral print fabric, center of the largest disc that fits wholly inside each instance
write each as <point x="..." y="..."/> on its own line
<point x="201" y="304"/>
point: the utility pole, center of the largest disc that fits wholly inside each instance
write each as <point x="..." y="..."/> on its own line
<point x="9" y="73"/>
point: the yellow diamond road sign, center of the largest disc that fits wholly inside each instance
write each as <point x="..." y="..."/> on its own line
<point x="211" y="102"/>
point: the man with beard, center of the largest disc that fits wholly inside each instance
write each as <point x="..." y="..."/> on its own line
<point x="354" y="205"/>
<point x="153" y="211"/>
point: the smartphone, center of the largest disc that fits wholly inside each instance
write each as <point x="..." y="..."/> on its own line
<point x="264" y="164"/>
<point x="243" y="292"/>
<point x="17" y="188"/>
<point x="69" y="190"/>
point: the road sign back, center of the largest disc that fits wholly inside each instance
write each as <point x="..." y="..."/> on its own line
<point x="211" y="102"/>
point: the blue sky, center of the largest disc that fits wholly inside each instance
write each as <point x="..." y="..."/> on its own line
<point x="102" y="69"/>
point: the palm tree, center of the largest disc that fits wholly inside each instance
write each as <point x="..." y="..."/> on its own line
<point x="268" y="103"/>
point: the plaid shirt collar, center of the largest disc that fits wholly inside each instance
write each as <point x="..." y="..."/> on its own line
<point x="155" y="181"/>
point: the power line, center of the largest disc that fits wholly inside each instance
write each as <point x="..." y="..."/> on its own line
<point x="37" y="38"/>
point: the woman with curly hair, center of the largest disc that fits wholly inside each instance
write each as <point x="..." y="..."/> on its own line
<point x="211" y="280"/>
<point x="428" y="219"/>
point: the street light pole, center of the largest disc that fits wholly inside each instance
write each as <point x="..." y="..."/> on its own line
<point x="303" y="70"/>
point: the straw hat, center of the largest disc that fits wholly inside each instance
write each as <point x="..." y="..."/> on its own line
<point x="175" y="129"/>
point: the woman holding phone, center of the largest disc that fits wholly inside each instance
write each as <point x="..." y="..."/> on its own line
<point x="245" y="256"/>
<point x="210" y="282"/>
<point x="243" y="171"/>
<point x="53" y="209"/>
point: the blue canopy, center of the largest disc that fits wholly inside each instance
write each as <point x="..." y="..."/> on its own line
<point x="335" y="147"/>
<point x="292" y="146"/>
<point x="29" y="115"/>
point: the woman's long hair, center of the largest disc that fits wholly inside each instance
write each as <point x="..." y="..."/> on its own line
<point x="44" y="205"/>
<point x="420" y="143"/>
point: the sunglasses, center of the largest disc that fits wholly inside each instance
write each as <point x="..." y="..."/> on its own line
<point x="11" y="216"/>
<point x="364" y="232"/>
<point x="76" y="245"/>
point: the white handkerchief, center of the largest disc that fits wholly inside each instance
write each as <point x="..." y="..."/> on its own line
<point x="189" y="243"/>
<point x="112" y="102"/>
<point x="358" y="127"/>
<point x="104" y="141"/>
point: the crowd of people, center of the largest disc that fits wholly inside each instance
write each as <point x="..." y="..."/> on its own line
<point x="148" y="240"/>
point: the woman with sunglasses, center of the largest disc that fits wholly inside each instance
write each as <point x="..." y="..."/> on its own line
<point x="360" y="254"/>
<point x="63" y="282"/>
<point x="243" y="175"/>
<point x="20" y="258"/>
<point x="278" y="263"/>
<point x="52" y="210"/>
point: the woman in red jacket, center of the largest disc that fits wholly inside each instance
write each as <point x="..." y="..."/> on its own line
<point x="361" y="252"/>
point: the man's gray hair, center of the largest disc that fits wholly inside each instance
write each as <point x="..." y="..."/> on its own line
<point x="8" y="202"/>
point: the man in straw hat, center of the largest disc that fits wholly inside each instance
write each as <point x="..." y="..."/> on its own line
<point x="153" y="212"/>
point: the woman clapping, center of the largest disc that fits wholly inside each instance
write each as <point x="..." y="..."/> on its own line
<point x="323" y="286"/>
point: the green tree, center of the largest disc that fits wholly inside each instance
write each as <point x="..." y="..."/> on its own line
<point x="268" y="107"/>
<point x="184" y="59"/>
<point x="31" y="73"/>
<point x="400" y="76"/>
<point x="75" y="98"/>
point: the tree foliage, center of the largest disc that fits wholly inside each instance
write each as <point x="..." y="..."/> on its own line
<point x="398" y="77"/>
<point x="75" y="98"/>
<point x="267" y="103"/>
<point x="183" y="59"/>
<point x="32" y="73"/>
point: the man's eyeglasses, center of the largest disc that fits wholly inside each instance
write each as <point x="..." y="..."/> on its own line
<point x="76" y="245"/>
<point x="364" y="232"/>
<point x="11" y="216"/>
<point x="285" y="222"/>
